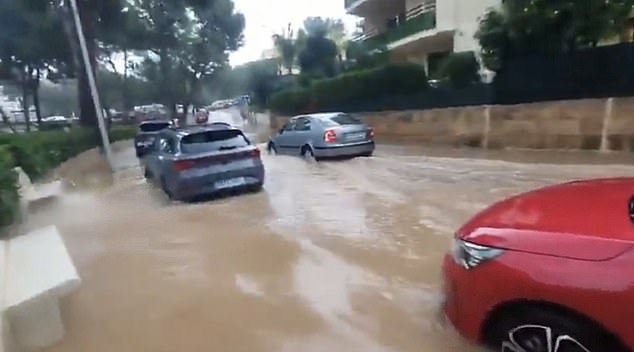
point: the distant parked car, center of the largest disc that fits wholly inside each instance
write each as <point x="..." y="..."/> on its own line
<point x="548" y="270"/>
<point x="146" y="133"/>
<point x="323" y="135"/>
<point x="55" y="122"/>
<point x="203" y="160"/>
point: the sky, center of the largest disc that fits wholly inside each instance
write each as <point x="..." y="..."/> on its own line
<point x="267" y="17"/>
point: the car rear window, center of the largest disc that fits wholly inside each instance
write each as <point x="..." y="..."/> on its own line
<point x="211" y="141"/>
<point x="342" y="120"/>
<point x="153" y="127"/>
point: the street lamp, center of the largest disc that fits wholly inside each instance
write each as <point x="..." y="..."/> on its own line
<point x="93" y="86"/>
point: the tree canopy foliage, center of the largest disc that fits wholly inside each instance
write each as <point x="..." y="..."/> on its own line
<point x="184" y="42"/>
<point x="316" y="48"/>
<point x="526" y="27"/>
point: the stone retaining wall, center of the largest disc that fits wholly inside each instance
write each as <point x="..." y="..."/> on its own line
<point x="592" y="124"/>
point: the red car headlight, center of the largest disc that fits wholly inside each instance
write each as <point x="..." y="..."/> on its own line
<point x="470" y="255"/>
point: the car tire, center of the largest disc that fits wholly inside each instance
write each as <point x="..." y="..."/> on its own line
<point x="308" y="154"/>
<point x="271" y="148"/>
<point x="164" y="188"/>
<point x="533" y="329"/>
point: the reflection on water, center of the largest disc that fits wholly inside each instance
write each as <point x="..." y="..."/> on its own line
<point x="340" y="256"/>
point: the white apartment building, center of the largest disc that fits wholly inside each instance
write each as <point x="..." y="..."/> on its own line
<point x="422" y="31"/>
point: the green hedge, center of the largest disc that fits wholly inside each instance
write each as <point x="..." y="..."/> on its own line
<point x="39" y="152"/>
<point x="9" y="200"/>
<point x="366" y="84"/>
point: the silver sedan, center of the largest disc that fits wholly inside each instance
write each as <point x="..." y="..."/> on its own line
<point x="325" y="135"/>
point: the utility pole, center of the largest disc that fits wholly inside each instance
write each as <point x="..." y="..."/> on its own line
<point x="92" y="84"/>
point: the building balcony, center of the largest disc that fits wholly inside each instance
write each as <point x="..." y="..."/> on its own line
<point x="353" y="5"/>
<point x="418" y="19"/>
<point x="364" y="8"/>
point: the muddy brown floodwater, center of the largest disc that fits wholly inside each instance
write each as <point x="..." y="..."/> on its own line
<point x="333" y="256"/>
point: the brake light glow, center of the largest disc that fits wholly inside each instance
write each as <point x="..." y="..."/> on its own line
<point x="330" y="136"/>
<point x="183" y="165"/>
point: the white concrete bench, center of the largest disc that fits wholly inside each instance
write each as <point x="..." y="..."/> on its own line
<point x="37" y="272"/>
<point x="30" y="193"/>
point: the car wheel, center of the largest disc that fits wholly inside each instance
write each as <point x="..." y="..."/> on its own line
<point x="257" y="187"/>
<point x="272" y="149"/>
<point x="308" y="154"/>
<point x="164" y="188"/>
<point x="536" y="329"/>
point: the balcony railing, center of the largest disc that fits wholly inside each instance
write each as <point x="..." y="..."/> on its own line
<point x="417" y="19"/>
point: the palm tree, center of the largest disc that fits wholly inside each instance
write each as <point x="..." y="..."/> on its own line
<point x="286" y="48"/>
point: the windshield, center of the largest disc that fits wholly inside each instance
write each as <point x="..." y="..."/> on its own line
<point x="211" y="141"/>
<point x="341" y="120"/>
<point x="153" y="127"/>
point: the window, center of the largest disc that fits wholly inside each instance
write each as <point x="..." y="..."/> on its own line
<point x="211" y="141"/>
<point x="302" y="124"/>
<point x="341" y="120"/>
<point x="289" y="126"/>
<point x="153" y="126"/>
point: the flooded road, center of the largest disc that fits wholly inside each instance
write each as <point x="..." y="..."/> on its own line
<point x="333" y="256"/>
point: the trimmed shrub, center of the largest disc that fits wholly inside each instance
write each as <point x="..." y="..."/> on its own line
<point x="292" y="101"/>
<point x="325" y="94"/>
<point x="460" y="69"/>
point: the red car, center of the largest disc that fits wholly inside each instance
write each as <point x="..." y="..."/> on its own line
<point x="551" y="270"/>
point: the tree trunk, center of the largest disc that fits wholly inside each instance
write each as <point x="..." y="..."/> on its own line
<point x="66" y="14"/>
<point x="127" y="104"/>
<point x="165" y="68"/>
<point x="6" y="120"/>
<point x="25" y="99"/>
<point x="88" y="115"/>
<point x="36" y="96"/>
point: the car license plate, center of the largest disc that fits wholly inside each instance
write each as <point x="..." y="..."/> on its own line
<point x="359" y="135"/>
<point x="146" y="143"/>
<point x="230" y="183"/>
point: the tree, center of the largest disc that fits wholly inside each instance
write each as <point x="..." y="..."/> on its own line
<point x="127" y="42"/>
<point x="286" y="46"/>
<point x="32" y="46"/>
<point x="215" y="30"/>
<point x="318" y="53"/>
<point x="331" y="28"/>
<point x="190" y="41"/>
<point x="99" y="19"/>
<point x="524" y="27"/>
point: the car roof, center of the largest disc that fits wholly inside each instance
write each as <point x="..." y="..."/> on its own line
<point x="149" y="122"/>
<point x="188" y="130"/>
<point x="321" y="115"/>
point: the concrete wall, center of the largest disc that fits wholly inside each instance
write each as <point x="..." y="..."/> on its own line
<point x="592" y="124"/>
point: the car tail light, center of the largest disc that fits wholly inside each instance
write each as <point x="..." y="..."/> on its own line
<point x="330" y="136"/>
<point x="183" y="165"/>
<point x="470" y="255"/>
<point x="371" y="133"/>
<point x="255" y="153"/>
